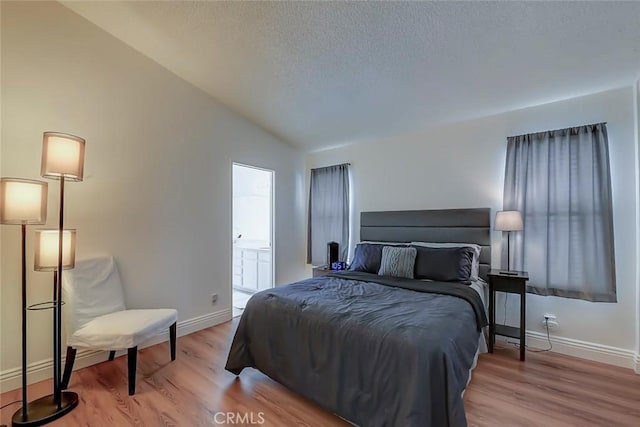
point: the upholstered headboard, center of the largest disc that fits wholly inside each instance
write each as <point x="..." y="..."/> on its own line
<point x="441" y="226"/>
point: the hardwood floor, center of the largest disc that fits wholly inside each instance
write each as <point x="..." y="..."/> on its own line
<point x="546" y="390"/>
<point x="550" y="389"/>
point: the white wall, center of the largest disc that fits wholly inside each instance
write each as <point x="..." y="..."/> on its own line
<point x="637" y="110"/>
<point x="157" y="189"/>
<point x="462" y="165"/>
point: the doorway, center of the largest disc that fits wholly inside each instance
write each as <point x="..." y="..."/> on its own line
<point x="252" y="233"/>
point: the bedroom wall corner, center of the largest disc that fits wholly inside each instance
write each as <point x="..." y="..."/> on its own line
<point x="637" y="158"/>
<point x="157" y="188"/>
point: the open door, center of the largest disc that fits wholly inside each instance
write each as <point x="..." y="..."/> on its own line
<point x="252" y="233"/>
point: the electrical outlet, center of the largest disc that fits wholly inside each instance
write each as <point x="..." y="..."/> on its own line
<point x="214" y="299"/>
<point x="550" y="320"/>
<point x="552" y="324"/>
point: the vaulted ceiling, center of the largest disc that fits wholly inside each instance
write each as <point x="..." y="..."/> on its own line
<point x="320" y="74"/>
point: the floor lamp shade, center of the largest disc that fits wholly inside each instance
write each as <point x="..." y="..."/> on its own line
<point x="62" y="156"/>
<point x="46" y="248"/>
<point x="23" y="201"/>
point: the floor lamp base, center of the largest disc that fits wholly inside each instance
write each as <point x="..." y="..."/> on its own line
<point x="45" y="410"/>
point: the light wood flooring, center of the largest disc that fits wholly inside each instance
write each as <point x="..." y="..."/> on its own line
<point x="547" y="390"/>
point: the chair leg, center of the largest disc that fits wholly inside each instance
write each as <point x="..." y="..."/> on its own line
<point x="132" y="355"/>
<point x="68" y="367"/>
<point x="112" y="355"/>
<point x="172" y="340"/>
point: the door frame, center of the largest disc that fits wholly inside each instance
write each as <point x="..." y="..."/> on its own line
<point x="273" y="222"/>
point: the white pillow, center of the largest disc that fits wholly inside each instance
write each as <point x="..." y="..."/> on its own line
<point x="475" y="266"/>
<point x="385" y="243"/>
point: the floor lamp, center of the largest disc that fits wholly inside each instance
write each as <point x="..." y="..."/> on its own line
<point x="508" y="221"/>
<point x="46" y="259"/>
<point x="24" y="202"/>
<point x="62" y="159"/>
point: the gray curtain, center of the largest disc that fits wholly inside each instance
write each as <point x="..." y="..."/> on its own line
<point x="560" y="181"/>
<point x="328" y="212"/>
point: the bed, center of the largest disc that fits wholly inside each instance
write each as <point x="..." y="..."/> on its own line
<point x="376" y="350"/>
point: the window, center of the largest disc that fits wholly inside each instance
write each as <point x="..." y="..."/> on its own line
<point x="328" y="212"/>
<point x="560" y="181"/>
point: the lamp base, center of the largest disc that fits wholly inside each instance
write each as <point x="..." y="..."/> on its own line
<point x="44" y="410"/>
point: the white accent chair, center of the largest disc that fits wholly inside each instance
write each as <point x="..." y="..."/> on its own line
<point x="100" y="321"/>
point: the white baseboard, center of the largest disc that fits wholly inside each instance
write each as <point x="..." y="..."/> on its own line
<point x="11" y="379"/>
<point x="583" y="349"/>
<point x="637" y="367"/>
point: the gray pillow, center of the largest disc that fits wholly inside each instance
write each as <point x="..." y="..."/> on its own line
<point x="397" y="262"/>
<point x="444" y="264"/>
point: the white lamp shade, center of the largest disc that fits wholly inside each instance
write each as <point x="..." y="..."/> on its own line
<point x="508" y="221"/>
<point x="23" y="201"/>
<point x="62" y="156"/>
<point x="46" y="258"/>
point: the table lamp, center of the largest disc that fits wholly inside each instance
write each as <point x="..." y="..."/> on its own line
<point x="508" y="221"/>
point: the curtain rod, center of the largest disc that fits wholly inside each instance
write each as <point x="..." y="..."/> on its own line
<point x="557" y="130"/>
<point x="332" y="166"/>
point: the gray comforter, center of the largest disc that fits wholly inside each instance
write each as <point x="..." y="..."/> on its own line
<point x="365" y="347"/>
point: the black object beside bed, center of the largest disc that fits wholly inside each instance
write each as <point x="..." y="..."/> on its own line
<point x="375" y="350"/>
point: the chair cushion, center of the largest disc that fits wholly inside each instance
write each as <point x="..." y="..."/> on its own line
<point x="123" y="329"/>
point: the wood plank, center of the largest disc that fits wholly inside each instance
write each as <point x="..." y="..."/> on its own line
<point x="547" y="390"/>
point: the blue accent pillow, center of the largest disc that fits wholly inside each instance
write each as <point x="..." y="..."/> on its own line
<point x="367" y="258"/>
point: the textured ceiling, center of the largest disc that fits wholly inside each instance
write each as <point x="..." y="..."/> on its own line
<point x="321" y="74"/>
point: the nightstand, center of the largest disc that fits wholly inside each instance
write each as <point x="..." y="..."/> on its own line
<point x="514" y="283"/>
<point x="321" y="271"/>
